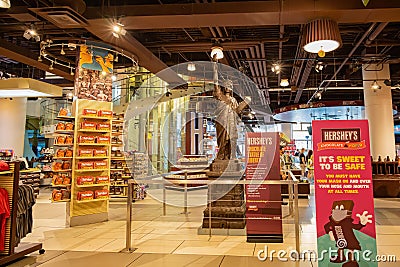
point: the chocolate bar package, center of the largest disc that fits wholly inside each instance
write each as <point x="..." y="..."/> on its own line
<point x="85" y="152"/>
<point x="85" y="165"/>
<point x="100" y="165"/>
<point x="102" y="180"/>
<point x="98" y="194"/>
<point x="84" y="180"/>
<point x="88" y="125"/>
<point x="86" y="139"/>
<point x="103" y="139"/>
<point x="102" y="126"/>
<point x="105" y="113"/>
<point x="100" y="152"/>
<point x="90" y="112"/>
<point x="85" y="195"/>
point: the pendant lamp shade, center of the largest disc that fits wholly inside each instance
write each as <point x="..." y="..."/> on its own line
<point x="5" y="4"/>
<point x="321" y="35"/>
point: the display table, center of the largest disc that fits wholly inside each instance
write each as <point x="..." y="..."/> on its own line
<point x="386" y="185"/>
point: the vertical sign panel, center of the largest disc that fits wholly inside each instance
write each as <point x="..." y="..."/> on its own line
<point x="263" y="202"/>
<point x="344" y="193"/>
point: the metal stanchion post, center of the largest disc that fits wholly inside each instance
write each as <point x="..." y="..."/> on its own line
<point x="290" y="191"/>
<point x="164" y="199"/>
<point x="296" y="215"/>
<point x="129" y="217"/>
<point x="209" y="210"/>
<point x="185" y="201"/>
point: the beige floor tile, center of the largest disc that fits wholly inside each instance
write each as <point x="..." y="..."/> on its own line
<point x="91" y="244"/>
<point x="35" y="259"/>
<point x="150" y="260"/>
<point x="156" y="246"/>
<point x="66" y="232"/>
<point x="64" y="243"/>
<point x="85" y="259"/>
<point x="116" y="245"/>
<point x="388" y="240"/>
<point x="104" y="233"/>
<point x="229" y="261"/>
<point x="215" y="248"/>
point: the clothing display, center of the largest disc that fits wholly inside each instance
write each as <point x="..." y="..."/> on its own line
<point x="26" y="200"/>
<point x="4" y="214"/>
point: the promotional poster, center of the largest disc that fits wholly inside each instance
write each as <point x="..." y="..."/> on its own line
<point x="93" y="75"/>
<point x="263" y="202"/>
<point x="344" y="193"/>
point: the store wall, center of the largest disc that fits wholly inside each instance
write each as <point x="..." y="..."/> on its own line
<point x="12" y="121"/>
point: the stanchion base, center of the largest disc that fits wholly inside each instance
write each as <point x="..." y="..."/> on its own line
<point x="125" y="250"/>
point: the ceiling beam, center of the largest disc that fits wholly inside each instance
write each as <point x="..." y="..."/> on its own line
<point x="252" y="13"/>
<point x="145" y="57"/>
<point x="25" y="56"/>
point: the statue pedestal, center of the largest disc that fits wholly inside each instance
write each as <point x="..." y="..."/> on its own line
<point x="228" y="210"/>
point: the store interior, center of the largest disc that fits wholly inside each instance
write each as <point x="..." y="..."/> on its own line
<point x="110" y="145"/>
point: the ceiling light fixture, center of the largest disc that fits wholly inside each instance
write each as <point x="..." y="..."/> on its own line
<point x="321" y="36"/>
<point x="276" y="68"/>
<point x="62" y="52"/>
<point x="375" y="86"/>
<point x="72" y="72"/>
<point x="116" y="58"/>
<point x="319" y="66"/>
<point x="284" y="82"/>
<point x="40" y="58"/>
<point x="118" y="29"/>
<point x="318" y="95"/>
<point x="113" y="78"/>
<point x="31" y="33"/>
<point x="191" y="66"/>
<point x="51" y="66"/>
<point x="216" y="52"/>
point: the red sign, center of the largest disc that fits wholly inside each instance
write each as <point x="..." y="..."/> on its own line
<point x="344" y="193"/>
<point x="263" y="202"/>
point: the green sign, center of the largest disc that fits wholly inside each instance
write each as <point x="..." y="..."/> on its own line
<point x="365" y="2"/>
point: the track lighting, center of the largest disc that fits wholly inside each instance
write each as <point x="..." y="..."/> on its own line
<point x="116" y="58"/>
<point x="216" y="52"/>
<point x="72" y="72"/>
<point x="51" y="66"/>
<point x="118" y="30"/>
<point x="40" y="58"/>
<point x="375" y="86"/>
<point x="62" y="52"/>
<point x="276" y="68"/>
<point x="31" y="33"/>
<point x="284" y="82"/>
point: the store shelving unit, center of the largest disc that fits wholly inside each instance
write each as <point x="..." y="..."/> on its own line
<point x="82" y="212"/>
<point x="9" y="180"/>
<point x="31" y="177"/>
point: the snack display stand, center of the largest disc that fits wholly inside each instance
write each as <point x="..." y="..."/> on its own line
<point x="90" y="183"/>
<point x="9" y="180"/>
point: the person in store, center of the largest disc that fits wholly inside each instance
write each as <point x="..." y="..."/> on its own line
<point x="310" y="165"/>
<point x="288" y="160"/>
<point x="302" y="159"/>
<point x="226" y="117"/>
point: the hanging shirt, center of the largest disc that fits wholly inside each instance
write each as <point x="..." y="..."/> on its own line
<point x="4" y="214"/>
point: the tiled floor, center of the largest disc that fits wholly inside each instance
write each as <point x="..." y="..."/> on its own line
<point x="172" y="240"/>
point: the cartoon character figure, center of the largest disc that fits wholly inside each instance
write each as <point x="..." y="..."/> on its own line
<point x="340" y="229"/>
